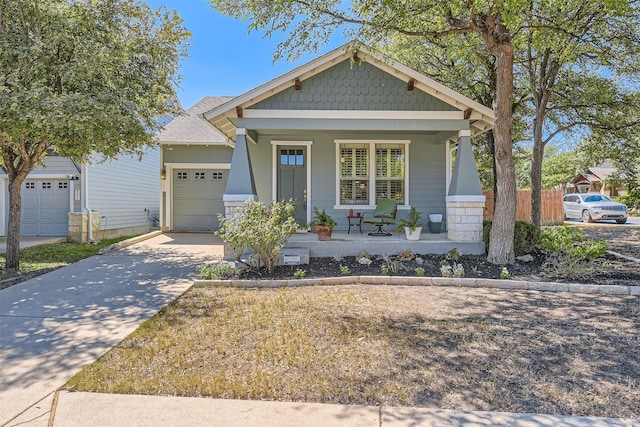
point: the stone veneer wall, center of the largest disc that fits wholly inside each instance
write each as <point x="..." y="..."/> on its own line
<point x="230" y="207"/>
<point x="464" y="218"/>
<point x="79" y="226"/>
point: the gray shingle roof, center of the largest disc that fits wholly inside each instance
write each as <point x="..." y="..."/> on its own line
<point x="191" y="129"/>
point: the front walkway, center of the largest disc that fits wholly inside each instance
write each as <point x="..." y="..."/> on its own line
<point x="53" y="325"/>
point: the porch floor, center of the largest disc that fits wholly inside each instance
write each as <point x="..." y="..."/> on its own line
<point x="351" y="244"/>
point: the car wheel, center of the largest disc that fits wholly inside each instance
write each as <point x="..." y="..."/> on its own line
<point x="621" y="221"/>
<point x="586" y="216"/>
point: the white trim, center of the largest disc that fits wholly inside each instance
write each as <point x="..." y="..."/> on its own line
<point x="198" y="166"/>
<point x="241" y="131"/>
<point x="449" y="146"/>
<point x="372" y="169"/>
<point x="238" y="197"/>
<point x="366" y="207"/>
<point x="464" y="198"/>
<point x="353" y="114"/>
<point x="274" y="170"/>
<point x="169" y="182"/>
<point x="464" y="132"/>
<point x="46" y="176"/>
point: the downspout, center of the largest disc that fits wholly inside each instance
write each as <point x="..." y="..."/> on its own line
<point x="85" y="191"/>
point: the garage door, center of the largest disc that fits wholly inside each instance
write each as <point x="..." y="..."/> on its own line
<point x="197" y="198"/>
<point x="45" y="207"/>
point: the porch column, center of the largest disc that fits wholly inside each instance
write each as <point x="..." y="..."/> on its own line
<point x="465" y="201"/>
<point x="240" y="184"/>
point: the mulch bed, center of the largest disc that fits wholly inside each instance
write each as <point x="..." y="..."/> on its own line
<point x="613" y="270"/>
<point x="616" y="271"/>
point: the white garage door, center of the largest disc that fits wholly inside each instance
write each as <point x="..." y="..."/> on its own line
<point x="197" y="198"/>
<point x="45" y="207"/>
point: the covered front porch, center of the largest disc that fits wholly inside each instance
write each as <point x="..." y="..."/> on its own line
<point x="343" y="244"/>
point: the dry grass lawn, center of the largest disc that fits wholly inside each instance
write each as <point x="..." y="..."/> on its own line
<point x="455" y="348"/>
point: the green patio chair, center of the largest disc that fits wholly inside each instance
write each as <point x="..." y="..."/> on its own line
<point x="384" y="214"/>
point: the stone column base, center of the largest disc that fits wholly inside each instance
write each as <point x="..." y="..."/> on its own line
<point x="464" y="218"/>
<point x="79" y="226"/>
<point x="231" y="205"/>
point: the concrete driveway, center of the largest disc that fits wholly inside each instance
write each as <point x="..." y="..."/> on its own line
<point x="55" y="324"/>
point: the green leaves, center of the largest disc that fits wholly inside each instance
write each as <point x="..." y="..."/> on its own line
<point x="82" y="77"/>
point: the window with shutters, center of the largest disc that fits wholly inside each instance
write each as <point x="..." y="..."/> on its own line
<point x="371" y="170"/>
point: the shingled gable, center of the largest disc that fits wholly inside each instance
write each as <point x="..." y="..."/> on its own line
<point x="480" y="117"/>
<point x="189" y="128"/>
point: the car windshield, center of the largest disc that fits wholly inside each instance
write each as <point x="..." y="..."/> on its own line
<point x="597" y="198"/>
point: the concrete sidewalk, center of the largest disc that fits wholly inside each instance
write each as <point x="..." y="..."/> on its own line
<point x="101" y="410"/>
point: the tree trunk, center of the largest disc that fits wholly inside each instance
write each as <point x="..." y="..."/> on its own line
<point x="536" y="172"/>
<point x="12" y="262"/>
<point x="492" y="150"/>
<point x="501" y="250"/>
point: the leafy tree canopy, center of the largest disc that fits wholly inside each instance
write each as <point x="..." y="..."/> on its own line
<point x="79" y="77"/>
<point x="84" y="76"/>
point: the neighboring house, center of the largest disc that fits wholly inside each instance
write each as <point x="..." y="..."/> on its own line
<point x="337" y="134"/>
<point x="122" y="194"/>
<point x="597" y="179"/>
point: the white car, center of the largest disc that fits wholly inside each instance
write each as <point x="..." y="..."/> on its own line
<point x="593" y="207"/>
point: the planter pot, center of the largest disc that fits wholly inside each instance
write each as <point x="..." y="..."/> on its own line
<point x="314" y="228"/>
<point x="435" y="227"/>
<point x="413" y="235"/>
<point x="324" y="233"/>
<point x="435" y="223"/>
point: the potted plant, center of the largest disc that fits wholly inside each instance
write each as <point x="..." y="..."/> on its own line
<point x="323" y="223"/>
<point x="411" y="225"/>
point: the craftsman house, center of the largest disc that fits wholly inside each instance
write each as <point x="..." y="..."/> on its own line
<point x="338" y="133"/>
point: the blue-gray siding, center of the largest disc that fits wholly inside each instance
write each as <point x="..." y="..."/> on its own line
<point x="427" y="169"/>
<point x="347" y="86"/>
<point x="122" y="189"/>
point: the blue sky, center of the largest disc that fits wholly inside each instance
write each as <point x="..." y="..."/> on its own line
<point x="225" y="60"/>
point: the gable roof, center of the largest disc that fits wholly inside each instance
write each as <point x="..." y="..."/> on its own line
<point x="481" y="117"/>
<point x="602" y="171"/>
<point x="189" y="128"/>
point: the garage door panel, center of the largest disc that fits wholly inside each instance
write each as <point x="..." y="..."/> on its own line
<point x="45" y="208"/>
<point x="197" y="198"/>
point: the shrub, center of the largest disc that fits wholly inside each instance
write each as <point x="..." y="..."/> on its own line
<point x="504" y="273"/>
<point x="526" y="237"/>
<point x="218" y="271"/>
<point x="344" y="270"/>
<point x="569" y="252"/>
<point x="406" y="255"/>
<point x="300" y="274"/>
<point x="458" y="270"/>
<point x="454" y="254"/>
<point x="419" y="271"/>
<point x="260" y="230"/>
<point x="632" y="200"/>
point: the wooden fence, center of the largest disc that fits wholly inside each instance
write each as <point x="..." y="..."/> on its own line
<point x="551" y="206"/>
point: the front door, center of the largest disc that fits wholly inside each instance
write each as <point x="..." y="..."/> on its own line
<point x="292" y="178"/>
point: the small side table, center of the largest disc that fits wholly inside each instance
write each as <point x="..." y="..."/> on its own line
<point x="354" y="221"/>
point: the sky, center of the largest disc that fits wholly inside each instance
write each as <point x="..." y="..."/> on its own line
<point x="224" y="59"/>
